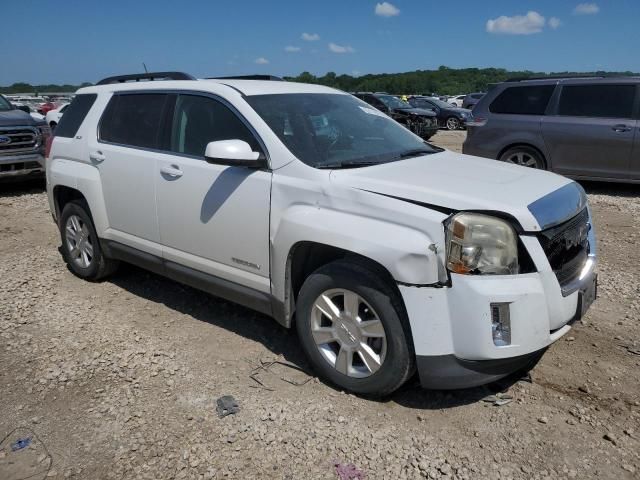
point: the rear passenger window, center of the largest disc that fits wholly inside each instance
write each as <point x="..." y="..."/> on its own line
<point x="604" y="101"/>
<point x="133" y="119"/>
<point x="530" y="100"/>
<point x="75" y="114"/>
<point x="199" y="120"/>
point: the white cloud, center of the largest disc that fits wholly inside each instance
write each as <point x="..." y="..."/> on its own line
<point x="527" y="24"/>
<point x="340" y="48"/>
<point x="292" y="49"/>
<point x="310" y="37"/>
<point x="555" y="23"/>
<point x="386" y="9"/>
<point x="586" y="9"/>
<point x="261" y="61"/>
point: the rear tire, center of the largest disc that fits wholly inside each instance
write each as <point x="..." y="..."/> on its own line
<point x="452" y="123"/>
<point x="525" y="157"/>
<point x="368" y="352"/>
<point x="80" y="245"/>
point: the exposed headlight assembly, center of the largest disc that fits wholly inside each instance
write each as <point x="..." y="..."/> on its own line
<point x="481" y="244"/>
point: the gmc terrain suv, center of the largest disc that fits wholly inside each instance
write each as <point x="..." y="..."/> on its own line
<point x="585" y="128"/>
<point x="22" y="143"/>
<point x="387" y="255"/>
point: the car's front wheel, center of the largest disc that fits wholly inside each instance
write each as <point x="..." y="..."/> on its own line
<point x="523" y="156"/>
<point x="353" y="329"/>
<point x="80" y="246"/>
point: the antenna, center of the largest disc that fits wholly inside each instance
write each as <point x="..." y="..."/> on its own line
<point x="145" y="67"/>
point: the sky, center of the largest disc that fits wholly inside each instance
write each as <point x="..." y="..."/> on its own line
<point x="73" y="41"/>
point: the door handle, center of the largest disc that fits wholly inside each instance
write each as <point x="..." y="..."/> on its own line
<point x="621" y="128"/>
<point x="97" y="156"/>
<point x="173" y="171"/>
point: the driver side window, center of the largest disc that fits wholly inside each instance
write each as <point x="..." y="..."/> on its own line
<point x="199" y="120"/>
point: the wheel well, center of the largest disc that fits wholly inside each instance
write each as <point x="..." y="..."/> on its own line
<point x="63" y="195"/>
<point x="52" y="124"/>
<point x="307" y="257"/>
<point x="528" y="145"/>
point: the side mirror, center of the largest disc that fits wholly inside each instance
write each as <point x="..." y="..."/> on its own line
<point x="235" y="153"/>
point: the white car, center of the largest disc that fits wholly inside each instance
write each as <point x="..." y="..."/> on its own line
<point x="386" y="254"/>
<point x="53" y="116"/>
<point x="456" y="100"/>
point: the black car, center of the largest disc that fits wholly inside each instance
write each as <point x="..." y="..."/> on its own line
<point x="421" y="122"/>
<point x="471" y="100"/>
<point x="449" y="117"/>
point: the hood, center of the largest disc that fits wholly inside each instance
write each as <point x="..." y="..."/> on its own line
<point x="458" y="182"/>
<point x="15" y="118"/>
<point x="423" y="112"/>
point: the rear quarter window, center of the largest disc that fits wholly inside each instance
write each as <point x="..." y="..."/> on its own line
<point x="75" y="114"/>
<point x="526" y="100"/>
<point x="133" y="119"/>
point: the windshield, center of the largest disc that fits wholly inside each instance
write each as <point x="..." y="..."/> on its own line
<point x="4" y="104"/>
<point x="334" y="130"/>
<point x="393" y="102"/>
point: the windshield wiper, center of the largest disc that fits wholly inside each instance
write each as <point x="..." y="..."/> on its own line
<point x="415" y="153"/>
<point x="349" y="164"/>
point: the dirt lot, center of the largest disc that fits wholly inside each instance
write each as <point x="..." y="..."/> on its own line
<point x="119" y="380"/>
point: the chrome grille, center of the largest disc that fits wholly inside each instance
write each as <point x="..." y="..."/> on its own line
<point x="21" y="140"/>
<point x="567" y="247"/>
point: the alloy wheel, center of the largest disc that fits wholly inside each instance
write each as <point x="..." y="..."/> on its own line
<point x="348" y="333"/>
<point x="453" y="123"/>
<point x="523" y="159"/>
<point x="78" y="240"/>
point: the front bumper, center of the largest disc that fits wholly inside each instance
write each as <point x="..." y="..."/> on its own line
<point x="452" y="326"/>
<point x="17" y="167"/>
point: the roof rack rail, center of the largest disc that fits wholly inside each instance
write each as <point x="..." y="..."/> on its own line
<point x="150" y="76"/>
<point x="248" y="77"/>
<point x="558" y="77"/>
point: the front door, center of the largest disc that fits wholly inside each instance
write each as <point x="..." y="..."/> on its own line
<point x="213" y="218"/>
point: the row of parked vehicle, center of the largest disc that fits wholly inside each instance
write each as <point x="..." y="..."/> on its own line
<point x="388" y="255"/>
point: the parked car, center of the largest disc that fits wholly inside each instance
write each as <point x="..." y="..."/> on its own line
<point x="451" y="118"/>
<point x="421" y="122"/>
<point x="584" y="128"/>
<point x="301" y="200"/>
<point x="456" y="100"/>
<point x="22" y="140"/>
<point x="53" y="116"/>
<point x="46" y="107"/>
<point x="471" y="100"/>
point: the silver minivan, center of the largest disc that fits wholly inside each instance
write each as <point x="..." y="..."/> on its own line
<point x="584" y="128"/>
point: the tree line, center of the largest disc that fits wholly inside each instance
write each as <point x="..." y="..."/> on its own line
<point x="443" y="81"/>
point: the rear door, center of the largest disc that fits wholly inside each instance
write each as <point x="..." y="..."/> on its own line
<point x="592" y="131"/>
<point x="125" y="155"/>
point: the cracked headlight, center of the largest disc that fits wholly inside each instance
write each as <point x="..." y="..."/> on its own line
<point x="481" y="244"/>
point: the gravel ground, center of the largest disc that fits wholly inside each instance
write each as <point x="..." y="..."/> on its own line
<point x="119" y="380"/>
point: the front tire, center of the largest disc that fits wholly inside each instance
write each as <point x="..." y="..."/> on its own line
<point x="352" y="327"/>
<point x="80" y="245"/>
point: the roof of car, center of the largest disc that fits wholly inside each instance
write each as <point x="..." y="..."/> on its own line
<point x="245" y="87"/>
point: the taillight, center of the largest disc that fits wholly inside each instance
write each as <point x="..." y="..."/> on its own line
<point x="47" y="146"/>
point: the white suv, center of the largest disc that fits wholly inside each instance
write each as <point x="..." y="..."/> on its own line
<point x="389" y="255"/>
